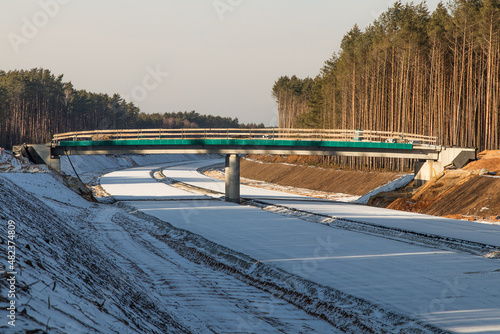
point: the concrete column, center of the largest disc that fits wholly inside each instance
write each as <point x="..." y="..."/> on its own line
<point x="233" y="178"/>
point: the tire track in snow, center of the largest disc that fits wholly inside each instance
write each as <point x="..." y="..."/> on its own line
<point x="345" y="312"/>
<point x="205" y="300"/>
<point x="403" y="235"/>
<point x="436" y="241"/>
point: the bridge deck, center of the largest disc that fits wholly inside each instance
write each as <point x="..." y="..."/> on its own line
<point x="247" y="146"/>
<point x="254" y="134"/>
<point x="238" y="142"/>
<point x="248" y="141"/>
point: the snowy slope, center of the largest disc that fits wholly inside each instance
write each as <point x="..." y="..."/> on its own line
<point x="90" y="167"/>
<point x="71" y="284"/>
<point x="391" y="186"/>
<point x="94" y="268"/>
<point x="18" y="164"/>
<point x="453" y="290"/>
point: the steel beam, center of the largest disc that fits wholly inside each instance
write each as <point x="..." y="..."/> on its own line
<point x="422" y="153"/>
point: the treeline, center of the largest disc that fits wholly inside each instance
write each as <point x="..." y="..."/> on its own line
<point x="179" y="120"/>
<point x="35" y="104"/>
<point x="409" y="71"/>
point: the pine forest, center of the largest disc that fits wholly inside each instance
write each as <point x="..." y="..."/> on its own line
<point x="409" y="71"/>
<point x="35" y="104"/>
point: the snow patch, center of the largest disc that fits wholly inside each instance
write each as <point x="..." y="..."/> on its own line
<point x="391" y="186"/>
<point x="9" y="163"/>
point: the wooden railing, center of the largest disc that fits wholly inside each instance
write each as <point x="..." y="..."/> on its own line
<point x="271" y="134"/>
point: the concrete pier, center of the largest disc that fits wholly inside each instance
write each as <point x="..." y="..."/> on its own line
<point x="233" y="178"/>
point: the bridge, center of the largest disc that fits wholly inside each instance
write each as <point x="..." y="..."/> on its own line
<point x="431" y="157"/>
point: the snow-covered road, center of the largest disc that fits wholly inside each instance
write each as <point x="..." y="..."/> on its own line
<point x="455" y="291"/>
<point x="96" y="268"/>
<point x="464" y="230"/>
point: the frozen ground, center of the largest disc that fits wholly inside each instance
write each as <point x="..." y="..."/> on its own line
<point x="91" y="167"/>
<point x="94" y="268"/>
<point x="405" y="221"/>
<point x="452" y="290"/>
<point x="217" y="172"/>
<point x="12" y="164"/>
<point x="89" y="268"/>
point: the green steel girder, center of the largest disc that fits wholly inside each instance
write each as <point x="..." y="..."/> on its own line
<point x="239" y="142"/>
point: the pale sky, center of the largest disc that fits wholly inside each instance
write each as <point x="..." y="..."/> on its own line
<point x="218" y="57"/>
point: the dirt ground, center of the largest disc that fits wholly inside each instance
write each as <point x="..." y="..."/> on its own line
<point x="329" y="180"/>
<point x="471" y="193"/>
<point x="489" y="160"/>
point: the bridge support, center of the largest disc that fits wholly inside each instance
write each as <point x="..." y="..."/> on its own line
<point x="449" y="157"/>
<point x="40" y="154"/>
<point x="233" y="178"/>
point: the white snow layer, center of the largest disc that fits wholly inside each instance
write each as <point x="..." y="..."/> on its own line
<point x="13" y="164"/>
<point x="92" y="166"/>
<point x="391" y="186"/>
<point x="93" y="268"/>
<point x="453" y="290"/>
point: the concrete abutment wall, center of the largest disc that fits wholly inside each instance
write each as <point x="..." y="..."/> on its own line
<point x="40" y="154"/>
<point x="449" y="157"/>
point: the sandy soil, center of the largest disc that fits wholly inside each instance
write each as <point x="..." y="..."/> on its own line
<point x="489" y="160"/>
<point x="472" y="193"/>
<point x="327" y="180"/>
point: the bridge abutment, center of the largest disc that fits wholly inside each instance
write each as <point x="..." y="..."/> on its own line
<point x="40" y="154"/>
<point x="233" y="178"/>
<point x="454" y="157"/>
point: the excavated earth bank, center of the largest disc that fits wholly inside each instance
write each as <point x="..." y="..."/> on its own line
<point x="330" y="180"/>
<point x="471" y="193"/>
